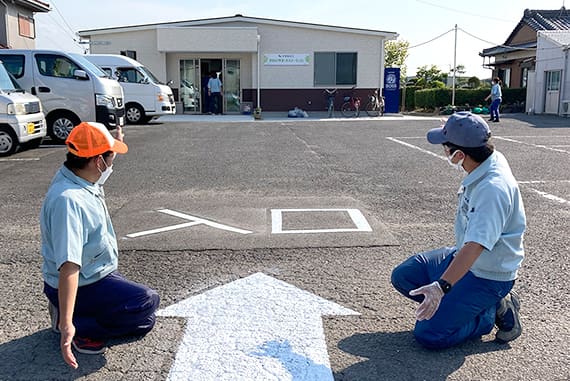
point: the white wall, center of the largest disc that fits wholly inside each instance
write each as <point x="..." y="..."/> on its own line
<point x="275" y="39"/>
<point x="548" y="58"/>
<point x="143" y="42"/>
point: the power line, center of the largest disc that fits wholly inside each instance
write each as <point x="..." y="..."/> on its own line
<point x="433" y="39"/>
<point x="63" y="18"/>
<point x="463" y="12"/>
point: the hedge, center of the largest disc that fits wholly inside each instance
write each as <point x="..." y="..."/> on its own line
<point x="435" y="98"/>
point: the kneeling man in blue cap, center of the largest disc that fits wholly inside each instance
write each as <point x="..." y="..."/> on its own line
<point x="465" y="290"/>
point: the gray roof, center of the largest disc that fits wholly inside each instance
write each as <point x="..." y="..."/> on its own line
<point x="561" y="37"/>
<point x="536" y="19"/>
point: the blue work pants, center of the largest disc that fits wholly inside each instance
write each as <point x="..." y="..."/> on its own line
<point x="495" y="109"/>
<point x="111" y="307"/>
<point x="466" y="312"/>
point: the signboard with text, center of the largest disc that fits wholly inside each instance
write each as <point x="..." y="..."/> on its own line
<point x="286" y="59"/>
<point x="392" y="89"/>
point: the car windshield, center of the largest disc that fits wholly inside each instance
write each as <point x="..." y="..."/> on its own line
<point x="149" y="74"/>
<point x="88" y="65"/>
<point x="6" y="83"/>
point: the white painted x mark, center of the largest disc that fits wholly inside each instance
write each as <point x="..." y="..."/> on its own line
<point x="194" y="221"/>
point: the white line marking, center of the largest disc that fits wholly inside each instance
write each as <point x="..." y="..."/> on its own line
<point x="543" y="181"/>
<point x="530" y="144"/>
<point x="205" y="222"/>
<point x="195" y="221"/>
<point x="22" y="159"/>
<point x="254" y="328"/>
<point x="161" y="230"/>
<point x="550" y="196"/>
<point x="416" y="147"/>
<point x="355" y="214"/>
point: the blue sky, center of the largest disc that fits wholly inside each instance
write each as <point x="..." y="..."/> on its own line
<point x="416" y="21"/>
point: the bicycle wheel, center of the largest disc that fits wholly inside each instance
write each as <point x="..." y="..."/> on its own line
<point x="348" y="110"/>
<point x="372" y="109"/>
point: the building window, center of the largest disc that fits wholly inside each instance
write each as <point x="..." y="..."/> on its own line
<point x="505" y="76"/>
<point x="129" y="53"/>
<point x="552" y="80"/>
<point x="335" y="68"/>
<point x="524" y="77"/>
<point x="26" y="26"/>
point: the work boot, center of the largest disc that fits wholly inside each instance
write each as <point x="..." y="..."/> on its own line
<point x="53" y="317"/>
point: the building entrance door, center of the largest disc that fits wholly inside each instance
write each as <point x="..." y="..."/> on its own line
<point x="208" y="67"/>
<point x="190" y="85"/>
<point x="552" y="95"/>
<point x="232" y="88"/>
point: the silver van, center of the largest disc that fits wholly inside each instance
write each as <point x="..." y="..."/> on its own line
<point x="146" y="98"/>
<point x="70" y="88"/>
<point x="22" y="121"/>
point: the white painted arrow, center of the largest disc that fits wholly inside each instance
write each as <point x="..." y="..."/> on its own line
<point x="255" y="328"/>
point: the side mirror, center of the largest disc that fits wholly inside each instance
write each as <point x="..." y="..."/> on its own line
<point x="80" y="74"/>
<point x="169" y="83"/>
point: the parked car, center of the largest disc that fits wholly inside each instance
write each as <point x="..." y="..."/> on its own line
<point x="71" y="89"/>
<point x="146" y="98"/>
<point x="22" y="121"/>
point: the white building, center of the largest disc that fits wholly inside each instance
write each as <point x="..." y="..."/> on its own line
<point x="281" y="64"/>
<point x="550" y="91"/>
<point x="17" y="24"/>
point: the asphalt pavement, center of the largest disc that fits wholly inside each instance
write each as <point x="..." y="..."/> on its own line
<point x="271" y="244"/>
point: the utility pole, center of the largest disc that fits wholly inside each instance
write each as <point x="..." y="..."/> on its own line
<point x="454" y="69"/>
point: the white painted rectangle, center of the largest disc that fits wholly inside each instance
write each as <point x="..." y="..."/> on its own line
<point x="360" y="222"/>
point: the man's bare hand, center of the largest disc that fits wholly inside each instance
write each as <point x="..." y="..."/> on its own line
<point x="67" y="334"/>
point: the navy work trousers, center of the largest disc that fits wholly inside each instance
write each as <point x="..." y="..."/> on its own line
<point x="111" y="307"/>
<point x="466" y="312"/>
<point x="495" y="109"/>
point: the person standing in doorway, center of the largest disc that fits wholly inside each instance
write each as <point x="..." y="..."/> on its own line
<point x="465" y="290"/>
<point x="215" y="91"/>
<point x="89" y="301"/>
<point x="496" y="96"/>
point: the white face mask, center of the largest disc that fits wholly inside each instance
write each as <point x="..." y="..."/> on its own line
<point x="104" y="174"/>
<point x="458" y="165"/>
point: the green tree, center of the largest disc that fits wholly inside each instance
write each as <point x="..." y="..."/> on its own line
<point x="396" y="53"/>
<point x="429" y="77"/>
<point x="474" y="82"/>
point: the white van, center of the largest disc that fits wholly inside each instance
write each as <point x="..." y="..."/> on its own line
<point x="70" y="88"/>
<point x="146" y="98"/>
<point x="22" y="121"/>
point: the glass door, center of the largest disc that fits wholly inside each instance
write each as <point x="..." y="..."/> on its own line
<point x="552" y="96"/>
<point x="232" y="89"/>
<point x="190" y="85"/>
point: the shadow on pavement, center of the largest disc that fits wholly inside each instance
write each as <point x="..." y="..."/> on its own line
<point x="37" y="357"/>
<point x="397" y="356"/>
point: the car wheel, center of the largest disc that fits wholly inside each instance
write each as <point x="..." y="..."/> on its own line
<point x="8" y="141"/>
<point x="60" y="125"/>
<point x="135" y="114"/>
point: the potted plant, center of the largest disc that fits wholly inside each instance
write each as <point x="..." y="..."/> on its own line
<point x="257" y="113"/>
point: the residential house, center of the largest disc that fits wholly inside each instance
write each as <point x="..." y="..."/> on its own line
<point x="17" y="26"/>
<point x="512" y="60"/>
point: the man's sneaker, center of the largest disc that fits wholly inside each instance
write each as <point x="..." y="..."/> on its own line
<point x="507" y="319"/>
<point x="53" y="317"/>
<point x="88" y="346"/>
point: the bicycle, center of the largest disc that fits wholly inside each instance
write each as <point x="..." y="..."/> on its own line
<point x="331" y="93"/>
<point x="376" y="104"/>
<point x="351" y="106"/>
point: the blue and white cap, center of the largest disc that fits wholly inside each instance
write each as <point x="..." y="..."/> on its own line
<point x="462" y="129"/>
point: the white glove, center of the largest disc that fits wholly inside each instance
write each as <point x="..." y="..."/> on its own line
<point x="432" y="297"/>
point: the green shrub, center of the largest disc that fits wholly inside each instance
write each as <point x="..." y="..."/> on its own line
<point x="436" y="98"/>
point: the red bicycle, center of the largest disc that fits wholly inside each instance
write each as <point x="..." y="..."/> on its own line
<point x="351" y="106"/>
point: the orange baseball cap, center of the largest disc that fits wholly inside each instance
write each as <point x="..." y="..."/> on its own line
<point x="89" y="139"/>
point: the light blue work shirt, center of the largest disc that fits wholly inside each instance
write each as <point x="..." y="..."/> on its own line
<point x="491" y="213"/>
<point x="215" y="85"/>
<point x="76" y="227"/>
<point x="496" y="92"/>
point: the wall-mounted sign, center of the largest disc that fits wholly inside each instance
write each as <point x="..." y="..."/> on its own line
<point x="286" y="59"/>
